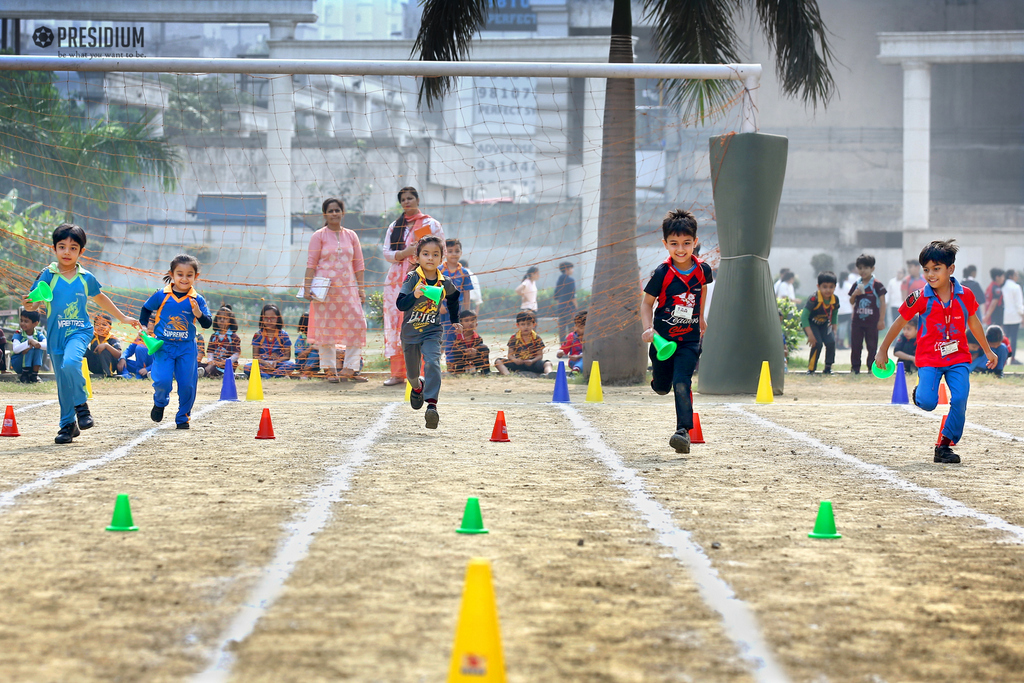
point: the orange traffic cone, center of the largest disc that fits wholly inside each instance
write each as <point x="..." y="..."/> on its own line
<point x="266" y="427"/>
<point x="696" y="435"/>
<point x="10" y="427"/>
<point x="943" y="394"/>
<point x="500" y="432"/>
<point x="942" y="426"/>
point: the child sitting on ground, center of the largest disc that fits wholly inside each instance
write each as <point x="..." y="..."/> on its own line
<point x="104" y="350"/>
<point x="469" y="354"/>
<point x="224" y="342"/>
<point x="572" y="348"/>
<point x="905" y="348"/>
<point x="271" y="345"/>
<point x="136" y="361"/>
<point x="525" y="348"/>
<point x="28" y="348"/>
<point x="996" y="340"/>
<point x="306" y="357"/>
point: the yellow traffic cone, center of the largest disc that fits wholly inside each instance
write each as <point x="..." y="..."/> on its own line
<point x="408" y="390"/>
<point x="255" y="390"/>
<point x="764" y="385"/>
<point x="88" y="380"/>
<point x="594" y="392"/>
<point x="477" y="655"/>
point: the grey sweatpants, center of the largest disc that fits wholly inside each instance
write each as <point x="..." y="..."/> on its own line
<point x="429" y="349"/>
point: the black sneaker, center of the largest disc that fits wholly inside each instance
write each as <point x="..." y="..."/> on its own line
<point x="34" y="378"/>
<point x="416" y="399"/>
<point x="913" y="397"/>
<point x="810" y="372"/>
<point x="157" y="414"/>
<point x="827" y="370"/>
<point x="946" y="456"/>
<point x="84" y="416"/>
<point x="432" y="417"/>
<point x="67" y="433"/>
<point x="182" y="425"/>
<point x="680" y="441"/>
<point x="23" y="378"/>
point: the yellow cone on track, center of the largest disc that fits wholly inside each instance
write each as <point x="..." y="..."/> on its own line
<point x="477" y="655"/>
<point x="594" y="392"/>
<point x="255" y="390"/>
<point x="88" y="380"/>
<point x="764" y="385"/>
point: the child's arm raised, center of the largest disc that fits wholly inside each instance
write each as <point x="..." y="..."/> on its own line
<point x="979" y="334"/>
<point x="647" y="317"/>
<point x="104" y="302"/>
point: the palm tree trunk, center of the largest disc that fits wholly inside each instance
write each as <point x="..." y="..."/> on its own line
<point x="613" y="320"/>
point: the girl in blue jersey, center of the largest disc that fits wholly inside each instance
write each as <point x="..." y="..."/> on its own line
<point x="175" y="310"/>
<point x="68" y="326"/>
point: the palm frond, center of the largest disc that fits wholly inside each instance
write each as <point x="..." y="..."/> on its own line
<point x="795" y="31"/>
<point x="695" y="32"/>
<point x="445" y="33"/>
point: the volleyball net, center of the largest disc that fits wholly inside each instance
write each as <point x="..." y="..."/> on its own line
<point x="232" y="167"/>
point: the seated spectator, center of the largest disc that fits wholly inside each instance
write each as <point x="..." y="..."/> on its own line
<point x="271" y="345"/>
<point x="136" y="362"/>
<point x="468" y="352"/>
<point x="572" y="347"/>
<point x="200" y="353"/>
<point x="525" y="348"/>
<point x="104" y="350"/>
<point x="906" y="345"/>
<point x="28" y="348"/>
<point x="224" y="342"/>
<point x="307" y="357"/>
<point x="995" y="337"/>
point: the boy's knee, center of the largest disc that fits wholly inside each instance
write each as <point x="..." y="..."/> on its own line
<point x="682" y="388"/>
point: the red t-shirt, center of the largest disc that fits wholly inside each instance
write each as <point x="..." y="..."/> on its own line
<point x="940" y="324"/>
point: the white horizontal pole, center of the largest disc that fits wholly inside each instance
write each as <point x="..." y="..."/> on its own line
<point x="181" y="65"/>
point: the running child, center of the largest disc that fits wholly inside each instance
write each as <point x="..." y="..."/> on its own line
<point x="175" y="310"/>
<point x="673" y="306"/>
<point x="947" y="309"/>
<point x="820" y="320"/>
<point x="224" y="343"/>
<point x="421" y="326"/>
<point x="68" y="328"/>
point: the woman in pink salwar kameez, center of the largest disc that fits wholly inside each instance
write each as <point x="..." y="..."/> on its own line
<point x="334" y="253"/>
<point x="400" y="251"/>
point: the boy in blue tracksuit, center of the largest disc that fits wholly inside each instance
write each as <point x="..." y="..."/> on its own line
<point x="68" y="327"/>
<point x="175" y="310"/>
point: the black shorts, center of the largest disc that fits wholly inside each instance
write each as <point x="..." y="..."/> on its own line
<point x="536" y="366"/>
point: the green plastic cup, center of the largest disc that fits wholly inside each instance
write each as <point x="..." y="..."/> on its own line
<point x="433" y="292"/>
<point x="883" y="373"/>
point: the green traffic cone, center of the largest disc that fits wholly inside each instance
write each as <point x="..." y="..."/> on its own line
<point x="472" y="520"/>
<point x="825" y="525"/>
<point x="122" y="520"/>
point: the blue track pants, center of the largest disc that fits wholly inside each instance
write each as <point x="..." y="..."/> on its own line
<point x="176" y="361"/>
<point x="67" y="368"/>
<point x="959" y="383"/>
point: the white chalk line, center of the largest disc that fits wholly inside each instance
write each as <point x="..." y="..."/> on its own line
<point x="8" y="497"/>
<point x="737" y="617"/>
<point x="914" y="410"/>
<point x="292" y="550"/>
<point x="950" y="506"/>
<point x="32" y="406"/>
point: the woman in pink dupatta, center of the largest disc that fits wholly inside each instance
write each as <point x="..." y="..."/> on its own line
<point x="400" y="251"/>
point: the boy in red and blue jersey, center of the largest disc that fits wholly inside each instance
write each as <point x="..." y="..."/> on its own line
<point x="946" y="309"/>
<point x="673" y="306"/>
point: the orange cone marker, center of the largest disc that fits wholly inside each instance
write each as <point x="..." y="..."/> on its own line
<point x="10" y="427"/>
<point x="266" y="427"/>
<point x="696" y="435"/>
<point x="943" y="394"/>
<point x="500" y="433"/>
<point x="942" y="426"/>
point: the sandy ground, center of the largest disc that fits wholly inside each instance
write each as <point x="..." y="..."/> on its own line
<point x="585" y="591"/>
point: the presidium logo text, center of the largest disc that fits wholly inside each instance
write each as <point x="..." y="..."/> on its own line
<point x="91" y="36"/>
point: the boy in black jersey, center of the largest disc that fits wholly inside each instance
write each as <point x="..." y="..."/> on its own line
<point x="673" y="306"/>
<point x="820" y="320"/>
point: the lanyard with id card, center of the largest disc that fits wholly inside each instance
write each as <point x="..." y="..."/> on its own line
<point x="949" y="345"/>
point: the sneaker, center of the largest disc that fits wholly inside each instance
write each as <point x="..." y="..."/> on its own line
<point x="680" y="441"/>
<point x="182" y="425"/>
<point x="201" y="372"/>
<point x="416" y="399"/>
<point x="85" y="420"/>
<point x="157" y="414"/>
<point x="67" y="433"/>
<point x="827" y="371"/>
<point x="913" y="397"/>
<point x="23" y="378"/>
<point x="945" y="455"/>
<point x="432" y="417"/>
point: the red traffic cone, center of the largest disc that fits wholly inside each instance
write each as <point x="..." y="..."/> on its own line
<point x="266" y="427"/>
<point x="10" y="427"/>
<point x="500" y="432"/>
<point x="942" y="426"/>
<point x="943" y="394"/>
<point x="696" y="435"/>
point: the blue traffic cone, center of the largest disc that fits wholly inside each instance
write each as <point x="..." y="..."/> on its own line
<point x="228" y="392"/>
<point x="561" y="385"/>
<point x="899" y="387"/>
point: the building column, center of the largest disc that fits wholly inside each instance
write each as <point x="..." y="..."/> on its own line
<point x="917" y="116"/>
<point x="276" y="255"/>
